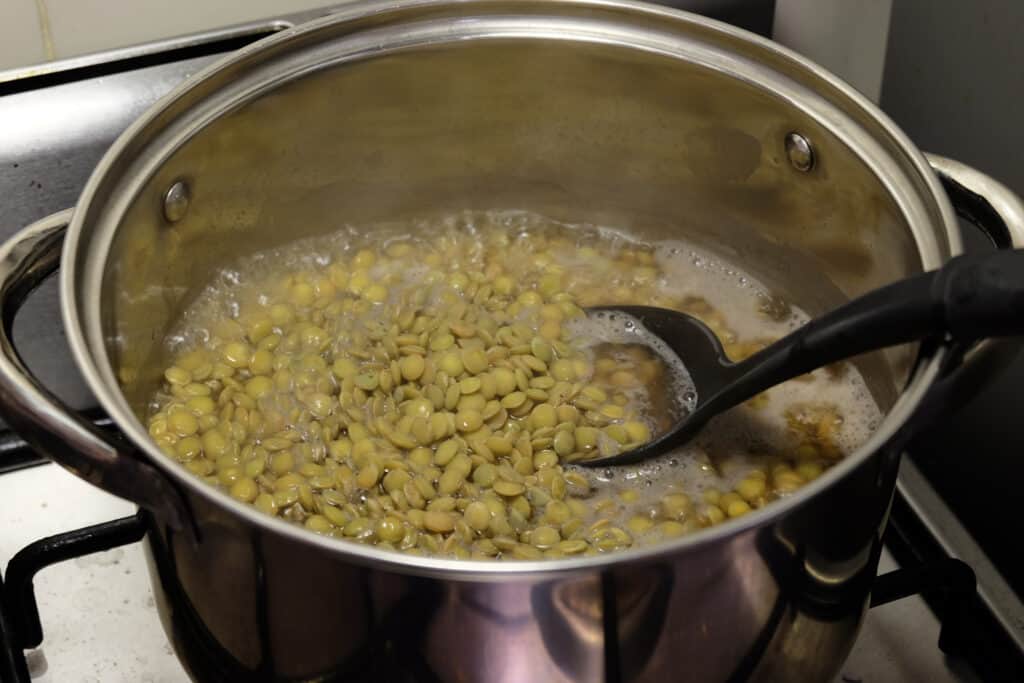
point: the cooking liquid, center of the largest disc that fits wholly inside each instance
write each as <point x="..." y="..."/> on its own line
<point x="734" y="445"/>
<point x="750" y="441"/>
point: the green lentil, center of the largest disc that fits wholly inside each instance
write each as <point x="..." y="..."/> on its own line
<point x="468" y="421"/>
<point x="477" y="515"/>
<point x="508" y="488"/>
<point x="438" y="521"/>
<point x="390" y="529"/>
<point x="542" y="416"/>
<point x="182" y="423"/>
<point x="564" y="443"/>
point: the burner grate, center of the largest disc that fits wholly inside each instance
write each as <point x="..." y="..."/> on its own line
<point x="20" y="626"/>
<point x="970" y="631"/>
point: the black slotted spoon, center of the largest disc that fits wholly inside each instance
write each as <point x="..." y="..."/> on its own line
<point x="970" y="298"/>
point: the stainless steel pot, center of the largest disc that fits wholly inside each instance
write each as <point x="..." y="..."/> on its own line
<point x="604" y="111"/>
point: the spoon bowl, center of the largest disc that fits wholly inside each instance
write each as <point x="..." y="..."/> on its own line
<point x="973" y="296"/>
<point x="698" y="350"/>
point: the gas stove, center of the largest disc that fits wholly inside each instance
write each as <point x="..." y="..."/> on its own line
<point x="942" y="609"/>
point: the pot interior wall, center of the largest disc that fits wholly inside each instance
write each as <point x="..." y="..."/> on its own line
<point x="579" y="131"/>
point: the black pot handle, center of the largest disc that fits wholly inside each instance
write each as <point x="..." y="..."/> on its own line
<point x="983" y="201"/>
<point x="40" y="418"/>
<point x="999" y="213"/>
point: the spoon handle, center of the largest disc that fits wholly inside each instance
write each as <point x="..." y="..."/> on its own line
<point x="970" y="298"/>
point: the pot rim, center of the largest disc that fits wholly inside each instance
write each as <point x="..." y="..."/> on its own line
<point x="94" y="363"/>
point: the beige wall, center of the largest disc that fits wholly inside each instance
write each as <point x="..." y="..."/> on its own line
<point x="954" y="80"/>
<point x="35" y="31"/>
<point x="847" y="37"/>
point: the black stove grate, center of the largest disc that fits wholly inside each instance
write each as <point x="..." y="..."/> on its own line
<point x="20" y="601"/>
<point x="970" y="631"/>
<point x="20" y="627"/>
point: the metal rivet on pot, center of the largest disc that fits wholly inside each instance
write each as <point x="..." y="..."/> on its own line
<point x="176" y="201"/>
<point x="800" y="152"/>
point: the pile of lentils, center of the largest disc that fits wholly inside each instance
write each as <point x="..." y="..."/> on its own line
<point x="429" y="394"/>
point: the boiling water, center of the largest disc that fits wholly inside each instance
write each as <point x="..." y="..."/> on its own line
<point x="803" y="426"/>
<point x="750" y="438"/>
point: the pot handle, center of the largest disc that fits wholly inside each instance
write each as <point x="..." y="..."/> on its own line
<point x="40" y="418"/>
<point x="999" y="213"/>
<point x="983" y="201"/>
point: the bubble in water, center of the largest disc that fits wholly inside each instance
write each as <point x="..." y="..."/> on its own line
<point x="689" y="396"/>
<point x="608" y="474"/>
<point x="673" y="462"/>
